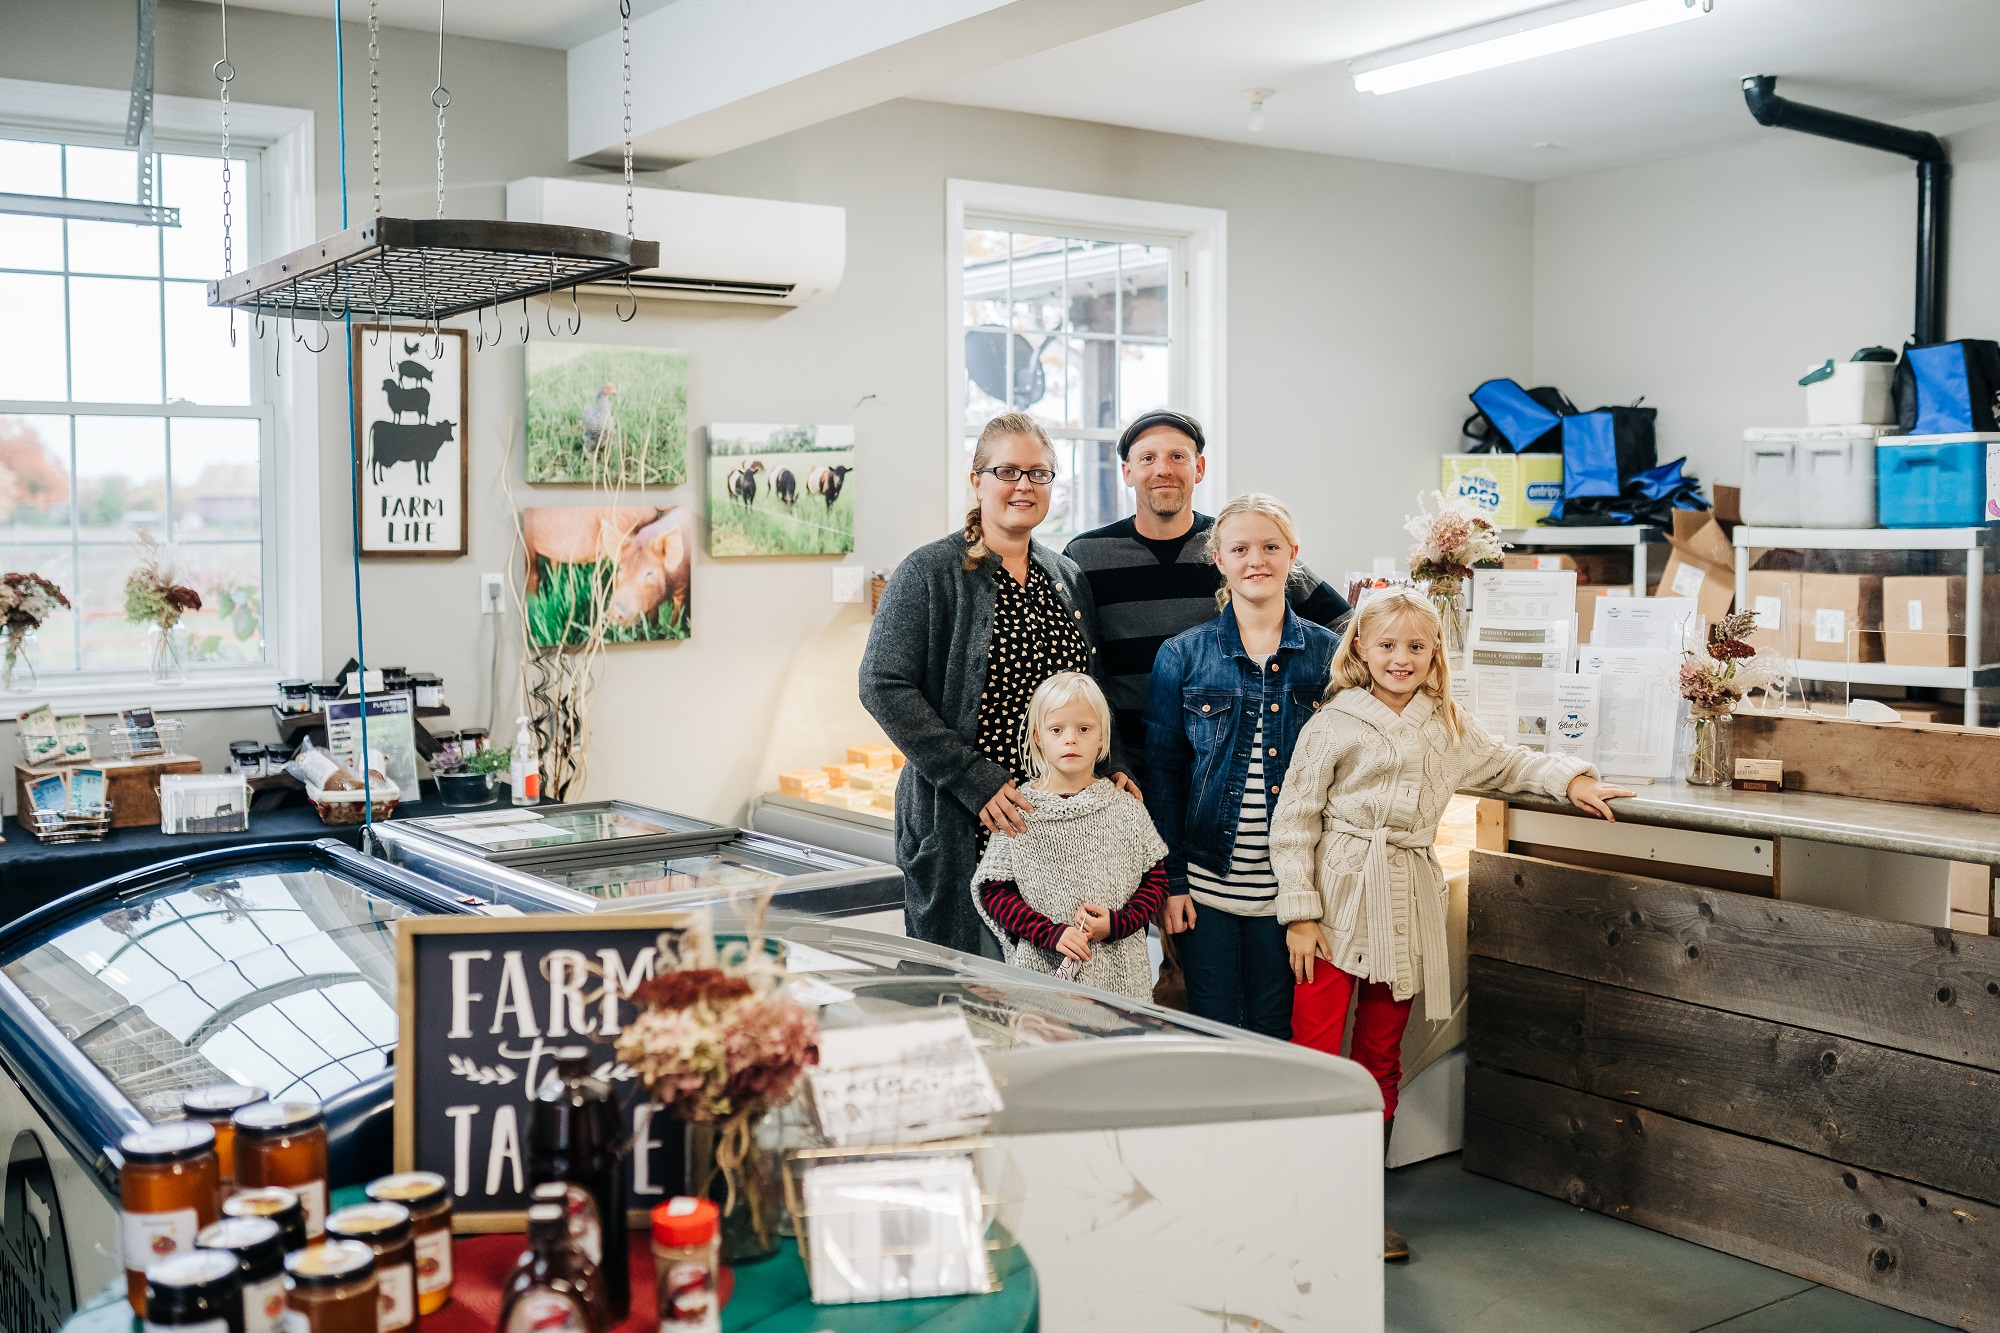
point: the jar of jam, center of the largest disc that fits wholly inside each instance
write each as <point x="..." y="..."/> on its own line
<point x="284" y="1143"/>
<point x="214" y="1105"/>
<point x="429" y="689"/>
<point x="277" y="1203"/>
<point x="385" y="1229"/>
<point x="333" y="1288"/>
<point x="324" y="692"/>
<point x="295" y="696"/>
<point x="168" y="1189"/>
<point x="195" y="1292"/>
<point x="428" y="1198"/>
<point x="471" y="741"/>
<point x="260" y="1267"/>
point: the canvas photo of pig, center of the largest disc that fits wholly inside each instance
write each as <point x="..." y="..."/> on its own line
<point x="621" y="569"/>
<point x="409" y="426"/>
<point x="780" y="490"/>
<point x="606" y="416"/>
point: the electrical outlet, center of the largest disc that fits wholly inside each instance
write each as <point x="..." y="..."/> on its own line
<point x="492" y="589"/>
<point x="848" y="581"/>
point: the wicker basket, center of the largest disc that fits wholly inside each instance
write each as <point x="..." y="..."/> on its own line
<point x="346" y="807"/>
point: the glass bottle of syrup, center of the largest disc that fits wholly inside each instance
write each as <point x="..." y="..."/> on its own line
<point x="554" y="1288"/>
<point x="573" y="1137"/>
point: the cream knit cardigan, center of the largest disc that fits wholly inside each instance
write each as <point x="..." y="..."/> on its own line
<point x="1351" y="837"/>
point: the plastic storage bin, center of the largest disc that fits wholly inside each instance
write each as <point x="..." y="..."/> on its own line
<point x="1932" y="481"/>
<point x="1810" y="476"/>
<point x="1857" y="392"/>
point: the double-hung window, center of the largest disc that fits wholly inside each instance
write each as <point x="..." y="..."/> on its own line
<point x="1083" y="312"/>
<point x="126" y="408"/>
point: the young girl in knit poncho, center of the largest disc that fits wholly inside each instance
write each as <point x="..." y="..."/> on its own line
<point x="1072" y="895"/>
<point x="1358" y="885"/>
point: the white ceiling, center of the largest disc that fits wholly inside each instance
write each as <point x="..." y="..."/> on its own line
<point x="1656" y="94"/>
<point x="559" y="24"/>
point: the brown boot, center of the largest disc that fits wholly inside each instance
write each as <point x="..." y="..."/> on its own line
<point x="1394" y="1248"/>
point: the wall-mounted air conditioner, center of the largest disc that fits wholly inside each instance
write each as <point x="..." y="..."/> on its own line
<point x="713" y="247"/>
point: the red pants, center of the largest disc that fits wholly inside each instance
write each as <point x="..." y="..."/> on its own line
<point x="1319" y="1019"/>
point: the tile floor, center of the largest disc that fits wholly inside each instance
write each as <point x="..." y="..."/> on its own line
<point x="1491" y="1258"/>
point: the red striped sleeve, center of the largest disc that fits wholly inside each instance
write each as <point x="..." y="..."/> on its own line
<point x="1144" y="904"/>
<point x="1004" y="903"/>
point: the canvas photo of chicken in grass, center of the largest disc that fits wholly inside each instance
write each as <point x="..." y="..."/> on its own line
<point x="606" y="415"/>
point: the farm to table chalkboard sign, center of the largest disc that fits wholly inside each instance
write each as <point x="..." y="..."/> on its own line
<point x="484" y="1004"/>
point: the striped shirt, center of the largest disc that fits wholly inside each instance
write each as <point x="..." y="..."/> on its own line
<point x="1250" y="888"/>
<point x="1147" y="591"/>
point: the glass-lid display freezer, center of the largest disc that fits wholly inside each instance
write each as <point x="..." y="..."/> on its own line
<point x="613" y="856"/>
<point x="269" y="965"/>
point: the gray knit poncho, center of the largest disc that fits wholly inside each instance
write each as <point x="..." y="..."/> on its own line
<point x="1093" y="847"/>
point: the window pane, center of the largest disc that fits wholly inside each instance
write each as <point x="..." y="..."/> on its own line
<point x="1093" y="370"/>
<point x="115" y="340"/>
<point x="34" y="479"/>
<point x="1093" y="286"/>
<point x="30" y="168"/>
<point x="103" y="173"/>
<point x="216" y="491"/>
<point x="27" y="242"/>
<point x="230" y="625"/>
<point x="109" y="640"/>
<point x="114" y="247"/>
<point x="121" y="478"/>
<point x="1142" y="373"/>
<point x="986" y="375"/>
<point x="1038" y="283"/>
<point x="985" y="277"/>
<point x="1143" y="275"/>
<point x="55" y="642"/>
<point x="194" y="186"/>
<point x="201" y="365"/>
<point x="31" y="337"/>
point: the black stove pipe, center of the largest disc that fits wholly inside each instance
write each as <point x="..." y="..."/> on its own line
<point x="1933" y="180"/>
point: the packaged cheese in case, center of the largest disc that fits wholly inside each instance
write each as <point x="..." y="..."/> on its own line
<point x="804" y="783"/>
<point x="872" y="756"/>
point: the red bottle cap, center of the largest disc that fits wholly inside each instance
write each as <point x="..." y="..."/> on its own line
<point x="684" y="1221"/>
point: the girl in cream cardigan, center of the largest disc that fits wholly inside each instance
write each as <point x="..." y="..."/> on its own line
<point x="1359" y="888"/>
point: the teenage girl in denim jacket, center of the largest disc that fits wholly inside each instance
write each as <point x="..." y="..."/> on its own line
<point x="1228" y="701"/>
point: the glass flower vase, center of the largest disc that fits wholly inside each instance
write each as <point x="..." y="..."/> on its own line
<point x="18" y="662"/>
<point x="167" y="653"/>
<point x="738" y="1165"/>
<point x="1450" y="603"/>
<point x="1711" y="749"/>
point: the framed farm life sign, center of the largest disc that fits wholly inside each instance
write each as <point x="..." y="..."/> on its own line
<point x="483" y="1006"/>
<point x="409" y="435"/>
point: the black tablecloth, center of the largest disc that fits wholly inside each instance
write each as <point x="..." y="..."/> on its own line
<point x="33" y="873"/>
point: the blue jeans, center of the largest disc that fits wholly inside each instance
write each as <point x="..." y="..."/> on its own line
<point x="1238" y="971"/>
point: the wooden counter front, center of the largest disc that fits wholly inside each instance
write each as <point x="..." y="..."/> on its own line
<point x="1806" y="1088"/>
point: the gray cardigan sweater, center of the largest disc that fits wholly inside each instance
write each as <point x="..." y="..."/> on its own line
<point x="921" y="679"/>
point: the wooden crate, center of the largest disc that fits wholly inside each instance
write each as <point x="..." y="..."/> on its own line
<point x="1805" y="1088"/>
<point x="1911" y="763"/>
<point x="131" y="785"/>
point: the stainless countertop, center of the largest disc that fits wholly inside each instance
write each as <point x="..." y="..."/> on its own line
<point x="1920" y="830"/>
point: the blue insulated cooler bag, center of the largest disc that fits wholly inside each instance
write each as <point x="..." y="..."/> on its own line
<point x="1605" y="449"/>
<point x="1948" y="388"/>
<point x="1513" y="419"/>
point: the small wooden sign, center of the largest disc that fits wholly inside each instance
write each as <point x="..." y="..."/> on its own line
<point x="409" y="426"/>
<point x="483" y="1004"/>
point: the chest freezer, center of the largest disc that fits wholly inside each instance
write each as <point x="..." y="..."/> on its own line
<point x="612" y="856"/>
<point x="270" y="965"/>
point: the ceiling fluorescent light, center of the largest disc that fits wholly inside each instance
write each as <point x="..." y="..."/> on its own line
<point x="1538" y="32"/>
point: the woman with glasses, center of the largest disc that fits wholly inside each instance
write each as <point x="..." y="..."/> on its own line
<point x="967" y="628"/>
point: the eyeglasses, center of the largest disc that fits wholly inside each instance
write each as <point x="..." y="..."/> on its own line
<point x="1041" y="476"/>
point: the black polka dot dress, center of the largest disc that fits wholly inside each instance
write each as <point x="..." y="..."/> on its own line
<point x="1035" y="636"/>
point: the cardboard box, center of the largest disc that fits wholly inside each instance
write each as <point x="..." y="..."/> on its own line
<point x="1586" y="605"/>
<point x="1971" y="887"/>
<point x="1590" y="567"/>
<point x="1925" y="713"/>
<point x="1702" y="566"/>
<point x="1840" y="616"/>
<point x="1770" y="593"/>
<point x="1923" y="620"/>
<point x="1972" y="924"/>
<point x="1509" y="490"/>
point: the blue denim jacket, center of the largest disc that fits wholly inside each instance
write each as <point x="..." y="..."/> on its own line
<point x="1199" y="725"/>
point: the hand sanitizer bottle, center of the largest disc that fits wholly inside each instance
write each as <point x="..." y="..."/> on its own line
<point x="526" y="776"/>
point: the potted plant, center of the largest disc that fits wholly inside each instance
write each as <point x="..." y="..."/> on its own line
<point x="476" y="781"/>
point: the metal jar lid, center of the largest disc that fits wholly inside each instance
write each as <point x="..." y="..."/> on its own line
<point x="276" y="1118"/>
<point x="176" y="1141"/>
<point x="412" y="1189"/>
<point x="382" y="1223"/>
<point x="333" y="1264"/>
<point x="255" y="1241"/>
<point x="220" y="1101"/>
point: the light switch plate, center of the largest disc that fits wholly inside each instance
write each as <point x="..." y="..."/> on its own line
<point x="848" y="581"/>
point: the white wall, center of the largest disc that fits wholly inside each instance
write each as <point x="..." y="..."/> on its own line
<point x="1364" y="300"/>
<point x="1710" y="283"/>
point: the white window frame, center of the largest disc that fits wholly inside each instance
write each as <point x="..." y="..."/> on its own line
<point x="1196" y="326"/>
<point x="289" y="403"/>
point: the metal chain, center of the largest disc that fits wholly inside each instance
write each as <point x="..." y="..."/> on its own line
<point x="440" y="98"/>
<point x="625" y="44"/>
<point x="224" y="72"/>
<point x="375" y="98"/>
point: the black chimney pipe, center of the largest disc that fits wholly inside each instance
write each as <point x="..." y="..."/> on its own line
<point x="1933" y="180"/>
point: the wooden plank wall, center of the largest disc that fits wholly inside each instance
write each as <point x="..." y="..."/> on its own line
<point x="1808" y="1089"/>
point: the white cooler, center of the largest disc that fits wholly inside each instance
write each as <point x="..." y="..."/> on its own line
<point x="1810" y="476"/>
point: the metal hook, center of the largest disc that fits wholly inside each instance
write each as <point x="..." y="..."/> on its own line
<point x="526" y="323"/>
<point x="325" y="335"/>
<point x="479" y="329"/>
<point x="619" y="309"/>
<point x="576" y="312"/>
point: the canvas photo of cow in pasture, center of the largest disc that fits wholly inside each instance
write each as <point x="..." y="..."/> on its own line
<point x="606" y="416"/>
<point x="619" y="569"/>
<point x="780" y="490"/>
<point x="409" y="427"/>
